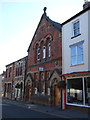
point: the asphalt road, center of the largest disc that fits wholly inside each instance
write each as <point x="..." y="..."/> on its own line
<point x="17" y="110"/>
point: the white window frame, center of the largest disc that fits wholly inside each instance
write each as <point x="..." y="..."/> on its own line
<point x="38" y="54"/>
<point x="76" y="28"/>
<point x="77" y="55"/>
<point x="44" y="52"/>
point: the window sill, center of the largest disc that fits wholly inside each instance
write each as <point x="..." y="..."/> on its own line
<point x="77" y="105"/>
<point x="75" y="36"/>
<point x="18" y="76"/>
<point x="76" y="65"/>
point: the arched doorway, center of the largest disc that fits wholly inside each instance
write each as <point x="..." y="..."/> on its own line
<point x="17" y="91"/>
<point x="28" y="89"/>
<point x="56" y="92"/>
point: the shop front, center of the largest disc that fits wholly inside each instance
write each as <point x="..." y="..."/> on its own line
<point x="78" y="90"/>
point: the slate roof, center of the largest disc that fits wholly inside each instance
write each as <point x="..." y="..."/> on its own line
<point x="16" y="61"/>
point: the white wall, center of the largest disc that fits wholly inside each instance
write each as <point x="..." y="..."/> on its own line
<point x="67" y="41"/>
<point x="89" y="40"/>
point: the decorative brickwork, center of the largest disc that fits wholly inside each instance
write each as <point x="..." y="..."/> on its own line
<point x="44" y="56"/>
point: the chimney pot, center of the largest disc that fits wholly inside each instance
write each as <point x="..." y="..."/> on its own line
<point x="86" y="4"/>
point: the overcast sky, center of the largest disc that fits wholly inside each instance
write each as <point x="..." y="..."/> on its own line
<point x="19" y="20"/>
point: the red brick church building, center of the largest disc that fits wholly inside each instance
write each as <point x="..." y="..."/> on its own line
<point x="45" y="64"/>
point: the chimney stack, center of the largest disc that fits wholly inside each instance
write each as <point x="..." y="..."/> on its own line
<point x="86" y="4"/>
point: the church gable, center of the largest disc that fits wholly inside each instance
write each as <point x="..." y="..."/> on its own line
<point x="45" y="26"/>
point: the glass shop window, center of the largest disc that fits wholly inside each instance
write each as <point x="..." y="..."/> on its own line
<point x="75" y="91"/>
<point x="87" y="91"/>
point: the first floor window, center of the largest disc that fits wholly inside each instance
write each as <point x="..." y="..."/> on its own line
<point x="77" y="54"/>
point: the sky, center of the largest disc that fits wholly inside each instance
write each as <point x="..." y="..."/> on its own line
<point x="19" y="20"/>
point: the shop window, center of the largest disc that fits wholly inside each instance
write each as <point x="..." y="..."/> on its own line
<point x="75" y="91"/>
<point x="87" y="90"/>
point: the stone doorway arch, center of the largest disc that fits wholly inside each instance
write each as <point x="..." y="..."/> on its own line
<point x="56" y="95"/>
<point x="28" y="88"/>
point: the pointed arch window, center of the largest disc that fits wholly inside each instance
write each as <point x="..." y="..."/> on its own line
<point x="38" y="54"/>
<point x="44" y="52"/>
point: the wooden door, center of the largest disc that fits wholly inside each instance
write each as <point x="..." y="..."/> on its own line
<point x="27" y="93"/>
<point x="57" y="98"/>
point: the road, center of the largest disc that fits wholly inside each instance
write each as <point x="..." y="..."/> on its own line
<point x="14" y="109"/>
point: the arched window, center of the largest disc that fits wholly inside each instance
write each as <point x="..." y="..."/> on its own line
<point x="48" y="75"/>
<point x="44" y="52"/>
<point x="38" y="54"/>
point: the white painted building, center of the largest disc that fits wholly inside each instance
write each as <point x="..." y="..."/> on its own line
<point x="76" y="58"/>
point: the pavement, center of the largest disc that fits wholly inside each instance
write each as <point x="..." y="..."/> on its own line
<point x="52" y="110"/>
<point x="58" y="112"/>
